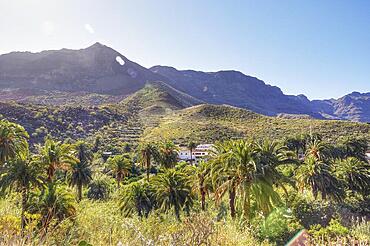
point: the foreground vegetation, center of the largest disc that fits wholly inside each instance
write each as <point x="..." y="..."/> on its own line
<point x="248" y="192"/>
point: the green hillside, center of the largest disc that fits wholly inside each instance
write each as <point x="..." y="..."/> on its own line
<point x="208" y="123"/>
<point x="160" y="112"/>
<point x="158" y="96"/>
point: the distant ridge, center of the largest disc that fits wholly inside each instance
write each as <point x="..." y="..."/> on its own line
<point x="234" y="88"/>
<point x="55" y="77"/>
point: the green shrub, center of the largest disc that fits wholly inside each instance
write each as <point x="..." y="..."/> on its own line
<point x="334" y="229"/>
<point x="279" y="226"/>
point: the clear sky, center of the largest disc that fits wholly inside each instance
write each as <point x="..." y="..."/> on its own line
<point x="320" y="48"/>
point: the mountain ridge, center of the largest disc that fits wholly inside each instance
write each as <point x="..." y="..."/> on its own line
<point x="101" y="70"/>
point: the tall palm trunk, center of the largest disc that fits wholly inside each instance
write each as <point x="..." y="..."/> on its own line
<point x="147" y="167"/>
<point x="24" y="204"/>
<point x="51" y="172"/>
<point x="232" y="194"/>
<point x="119" y="178"/>
<point x="79" y="191"/>
<point x="191" y="156"/>
<point x="177" y="212"/>
<point x="246" y="203"/>
<point x="202" y="193"/>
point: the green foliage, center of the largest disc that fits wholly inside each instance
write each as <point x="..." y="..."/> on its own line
<point x="137" y="197"/>
<point x="13" y="141"/>
<point x="209" y="123"/>
<point x="316" y="175"/>
<point x="279" y="226"/>
<point x="100" y="187"/>
<point x="253" y="180"/>
<point x="334" y="229"/>
<point x="167" y="154"/>
<point x="54" y="203"/>
<point x="355" y="174"/>
<point x="172" y="189"/>
<point x="361" y="230"/>
<point x="121" y="166"/>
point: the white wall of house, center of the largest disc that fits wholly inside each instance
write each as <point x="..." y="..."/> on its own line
<point x="184" y="154"/>
<point x="199" y="153"/>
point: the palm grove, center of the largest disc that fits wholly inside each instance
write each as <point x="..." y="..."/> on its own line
<point x="242" y="180"/>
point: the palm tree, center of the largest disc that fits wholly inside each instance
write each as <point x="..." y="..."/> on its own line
<point x="54" y="155"/>
<point x="224" y="174"/>
<point x="121" y="165"/>
<point x="296" y="144"/>
<point x="147" y="151"/>
<point x="83" y="153"/>
<point x="168" y="154"/>
<point x="137" y="196"/>
<point x="355" y="148"/>
<point x="318" y="149"/>
<point x="97" y="143"/>
<point x="13" y="140"/>
<point x="355" y="174"/>
<point x="100" y="187"/>
<point x="203" y="173"/>
<point x="81" y="169"/>
<point x="201" y="179"/>
<point x="21" y="175"/>
<point x="232" y="169"/>
<point x="56" y="202"/>
<point x="250" y="169"/>
<point x="191" y="146"/>
<point x="315" y="175"/>
<point x="269" y="156"/>
<point x="172" y="189"/>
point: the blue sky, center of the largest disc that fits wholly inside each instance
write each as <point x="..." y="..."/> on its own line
<point x="318" y="48"/>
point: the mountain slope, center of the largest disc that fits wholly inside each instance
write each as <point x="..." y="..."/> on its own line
<point x="61" y="122"/>
<point x="157" y="95"/>
<point x="94" y="69"/>
<point x="99" y="75"/>
<point x="234" y="88"/>
<point x="237" y="89"/>
<point x="354" y="106"/>
<point x="55" y="98"/>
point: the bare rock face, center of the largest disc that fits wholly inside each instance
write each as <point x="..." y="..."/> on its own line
<point x="354" y="106"/>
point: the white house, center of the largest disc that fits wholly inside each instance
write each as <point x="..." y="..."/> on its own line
<point x="199" y="153"/>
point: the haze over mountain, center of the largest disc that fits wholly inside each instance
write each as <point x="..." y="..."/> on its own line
<point x="97" y="68"/>
<point x="100" y="69"/>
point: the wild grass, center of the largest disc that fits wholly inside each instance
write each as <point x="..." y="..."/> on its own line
<point x="101" y="223"/>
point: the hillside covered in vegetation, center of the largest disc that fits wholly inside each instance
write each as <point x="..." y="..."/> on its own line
<point x="160" y="112"/>
<point x="209" y="123"/>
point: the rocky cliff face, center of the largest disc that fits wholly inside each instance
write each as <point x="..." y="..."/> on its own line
<point x="354" y="106"/>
